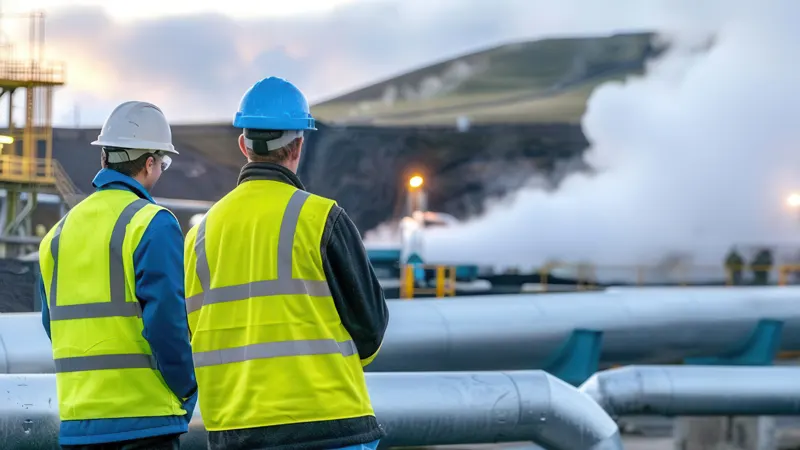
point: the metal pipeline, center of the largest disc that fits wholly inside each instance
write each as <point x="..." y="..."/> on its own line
<point x="518" y="332"/>
<point x="414" y="408"/>
<point x="697" y="391"/>
<point x="24" y="346"/>
<point x="521" y="332"/>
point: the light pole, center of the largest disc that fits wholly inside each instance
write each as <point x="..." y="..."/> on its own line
<point x="417" y="199"/>
<point x="411" y="231"/>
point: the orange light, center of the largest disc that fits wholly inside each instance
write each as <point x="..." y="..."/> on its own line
<point x="415" y="181"/>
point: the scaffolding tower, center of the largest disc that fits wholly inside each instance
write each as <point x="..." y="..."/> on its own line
<point x="27" y="167"/>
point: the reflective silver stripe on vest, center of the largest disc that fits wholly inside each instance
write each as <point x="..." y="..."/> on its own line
<point x="283" y="285"/>
<point x="273" y="350"/>
<point x="116" y="307"/>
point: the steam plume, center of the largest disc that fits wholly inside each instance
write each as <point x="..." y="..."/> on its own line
<point x="696" y="156"/>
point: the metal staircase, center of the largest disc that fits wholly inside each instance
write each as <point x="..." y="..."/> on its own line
<point x="67" y="190"/>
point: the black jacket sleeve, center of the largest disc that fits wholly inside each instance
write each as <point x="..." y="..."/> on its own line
<point x="356" y="292"/>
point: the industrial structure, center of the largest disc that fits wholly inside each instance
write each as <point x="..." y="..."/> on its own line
<point x="27" y="167"/>
<point x="486" y="369"/>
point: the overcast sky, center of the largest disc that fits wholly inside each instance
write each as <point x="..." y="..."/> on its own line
<point x="196" y="58"/>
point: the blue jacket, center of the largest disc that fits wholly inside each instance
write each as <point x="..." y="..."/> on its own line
<point x="158" y="264"/>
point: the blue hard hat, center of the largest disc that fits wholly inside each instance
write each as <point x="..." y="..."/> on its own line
<point x="274" y="104"/>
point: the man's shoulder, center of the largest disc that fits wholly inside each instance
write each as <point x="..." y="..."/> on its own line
<point x="322" y="199"/>
<point x="329" y="206"/>
<point x="158" y="221"/>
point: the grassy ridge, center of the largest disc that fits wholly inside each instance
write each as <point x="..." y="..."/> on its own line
<point x="539" y="81"/>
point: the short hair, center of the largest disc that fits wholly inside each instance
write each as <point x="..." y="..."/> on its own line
<point x="129" y="168"/>
<point x="277" y="156"/>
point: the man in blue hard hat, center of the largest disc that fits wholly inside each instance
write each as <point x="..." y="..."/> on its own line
<point x="284" y="307"/>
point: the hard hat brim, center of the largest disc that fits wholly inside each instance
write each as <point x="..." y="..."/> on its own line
<point x="274" y="123"/>
<point x="135" y="144"/>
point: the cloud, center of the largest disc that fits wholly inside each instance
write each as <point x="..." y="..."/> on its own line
<point x="194" y="67"/>
<point x="197" y="66"/>
<point x="697" y="155"/>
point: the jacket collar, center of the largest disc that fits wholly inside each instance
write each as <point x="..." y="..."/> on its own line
<point x="269" y="172"/>
<point x="111" y="179"/>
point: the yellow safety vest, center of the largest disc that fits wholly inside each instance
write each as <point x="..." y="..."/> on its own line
<point x="104" y="366"/>
<point x="268" y="344"/>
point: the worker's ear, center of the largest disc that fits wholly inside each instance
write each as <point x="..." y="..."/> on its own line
<point x="149" y="165"/>
<point x="242" y="147"/>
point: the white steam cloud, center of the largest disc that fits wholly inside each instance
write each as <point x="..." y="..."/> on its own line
<point x="696" y="156"/>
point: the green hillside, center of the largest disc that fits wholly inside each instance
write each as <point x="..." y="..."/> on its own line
<point x="539" y="81"/>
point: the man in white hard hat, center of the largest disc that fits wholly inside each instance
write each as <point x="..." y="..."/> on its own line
<point x="113" y="298"/>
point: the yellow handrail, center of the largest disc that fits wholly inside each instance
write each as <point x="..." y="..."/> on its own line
<point x="20" y="169"/>
<point x="445" y="281"/>
<point x="32" y="71"/>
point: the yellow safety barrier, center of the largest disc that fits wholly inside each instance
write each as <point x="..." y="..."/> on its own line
<point x="445" y="281"/>
<point x="19" y="169"/>
<point x="785" y="271"/>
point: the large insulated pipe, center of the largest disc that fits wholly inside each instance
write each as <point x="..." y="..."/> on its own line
<point x="697" y="390"/>
<point x="414" y="408"/>
<point x="520" y="332"/>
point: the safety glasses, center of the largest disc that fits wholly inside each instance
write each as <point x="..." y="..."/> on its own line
<point x="165" y="160"/>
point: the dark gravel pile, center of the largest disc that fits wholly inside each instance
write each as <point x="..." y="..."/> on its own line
<point x="364" y="168"/>
<point x="17" y="285"/>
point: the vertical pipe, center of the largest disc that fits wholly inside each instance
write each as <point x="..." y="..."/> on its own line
<point x="3" y="221"/>
<point x="31" y="38"/>
<point x="440" y="281"/>
<point x="41" y="36"/>
<point x="11" y="120"/>
<point x="453" y="274"/>
<point x="28" y="135"/>
<point x="49" y="134"/>
<point x="408" y="281"/>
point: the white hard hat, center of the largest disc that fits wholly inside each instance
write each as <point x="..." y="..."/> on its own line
<point x="136" y="126"/>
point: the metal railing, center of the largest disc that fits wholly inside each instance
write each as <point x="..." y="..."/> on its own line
<point x="20" y="169"/>
<point x="66" y="188"/>
<point x="589" y="276"/>
<point x="413" y="274"/>
<point x="36" y="72"/>
<point x="416" y="279"/>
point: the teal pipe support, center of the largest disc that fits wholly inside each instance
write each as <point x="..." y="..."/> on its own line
<point x="760" y="349"/>
<point x="578" y="358"/>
